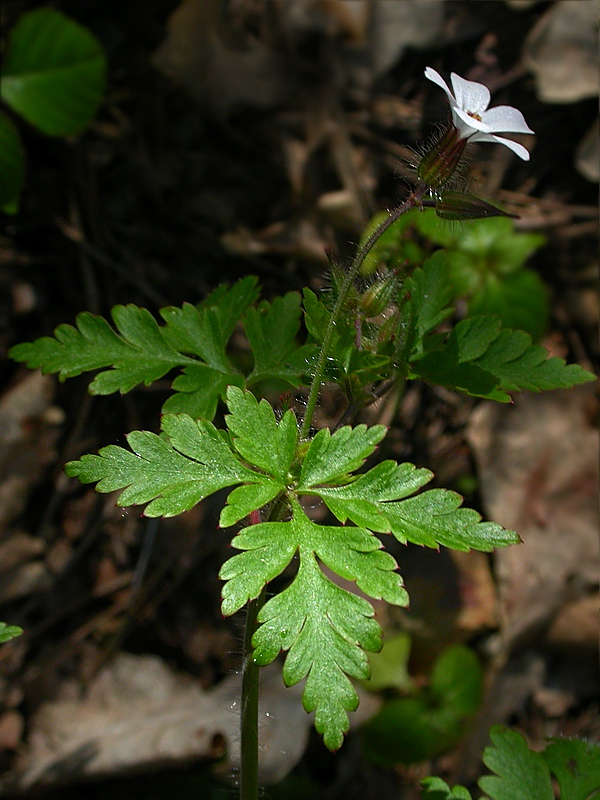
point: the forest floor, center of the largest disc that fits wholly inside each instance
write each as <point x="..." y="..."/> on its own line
<point x="247" y="137"/>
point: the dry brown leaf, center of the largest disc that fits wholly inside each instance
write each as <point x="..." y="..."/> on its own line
<point x="562" y="52"/>
<point x="140" y="714"/>
<point x="28" y="432"/>
<point x="538" y="467"/>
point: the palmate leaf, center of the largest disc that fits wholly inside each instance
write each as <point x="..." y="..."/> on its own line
<point x="324" y="628"/>
<point x="483" y="360"/>
<point x="376" y="500"/>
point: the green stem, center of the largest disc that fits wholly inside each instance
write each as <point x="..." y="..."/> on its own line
<point x="249" y="716"/>
<point x="250" y="676"/>
<point x="411" y="201"/>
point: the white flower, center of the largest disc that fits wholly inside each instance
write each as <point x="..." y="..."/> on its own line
<point x="469" y="103"/>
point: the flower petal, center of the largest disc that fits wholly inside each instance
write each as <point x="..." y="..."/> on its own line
<point x="505" y="119"/>
<point x="517" y="148"/>
<point x="434" y="76"/>
<point x="470" y="96"/>
<point x="469" y="122"/>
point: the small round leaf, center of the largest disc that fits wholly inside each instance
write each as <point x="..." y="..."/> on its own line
<point x="54" y="72"/>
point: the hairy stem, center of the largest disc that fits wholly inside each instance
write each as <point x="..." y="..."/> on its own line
<point x="411" y="201"/>
<point x="249" y="717"/>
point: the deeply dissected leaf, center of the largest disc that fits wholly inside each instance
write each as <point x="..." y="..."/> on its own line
<point x="141" y="351"/>
<point x="54" y="72"/>
<point x="204" y="331"/>
<point x="375" y="500"/>
<point x="576" y="765"/>
<point x="331" y="457"/>
<point x="324" y="628"/>
<point x="172" y="474"/>
<point x="521" y="774"/>
<point x="484" y="360"/>
<point x="194" y="459"/>
<point x="271" y="329"/>
<point x="12" y="164"/>
<point x="258" y="437"/>
<point x="138" y="353"/>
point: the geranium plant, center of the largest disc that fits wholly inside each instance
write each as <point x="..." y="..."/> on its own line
<point x="274" y="462"/>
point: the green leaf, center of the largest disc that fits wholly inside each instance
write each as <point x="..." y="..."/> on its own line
<point x="204" y="331"/>
<point x="140" y="351"/>
<point x="430" y="292"/>
<point x="521" y="774"/>
<point x="330" y="457"/>
<point x="324" y="628"/>
<point x="137" y="354"/>
<point x="437" y="789"/>
<point x="199" y="389"/>
<point x="493" y="245"/>
<point x="271" y="329"/>
<point x="520" y="299"/>
<point x="8" y="632"/>
<point x="54" y="72"/>
<point x="431" y="518"/>
<point x="389" y="667"/>
<point x="482" y="359"/>
<point x="457" y="680"/>
<point x="258" y="437"/>
<point x="576" y="765"/>
<point x="171" y="474"/>
<point x="408" y="730"/>
<point x="12" y="164"/>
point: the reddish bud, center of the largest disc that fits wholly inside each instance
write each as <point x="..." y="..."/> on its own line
<point x="461" y="205"/>
<point x="439" y="162"/>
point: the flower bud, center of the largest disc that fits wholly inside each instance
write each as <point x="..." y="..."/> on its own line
<point x="439" y="162"/>
<point x="461" y="205"/>
<point x="377" y="297"/>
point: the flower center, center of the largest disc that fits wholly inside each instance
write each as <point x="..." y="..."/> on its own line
<point x="475" y="115"/>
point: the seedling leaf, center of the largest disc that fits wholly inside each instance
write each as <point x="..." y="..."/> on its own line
<point x="576" y="765"/>
<point x="521" y="774"/>
<point x="437" y="789"/>
<point x="8" y="632"/>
